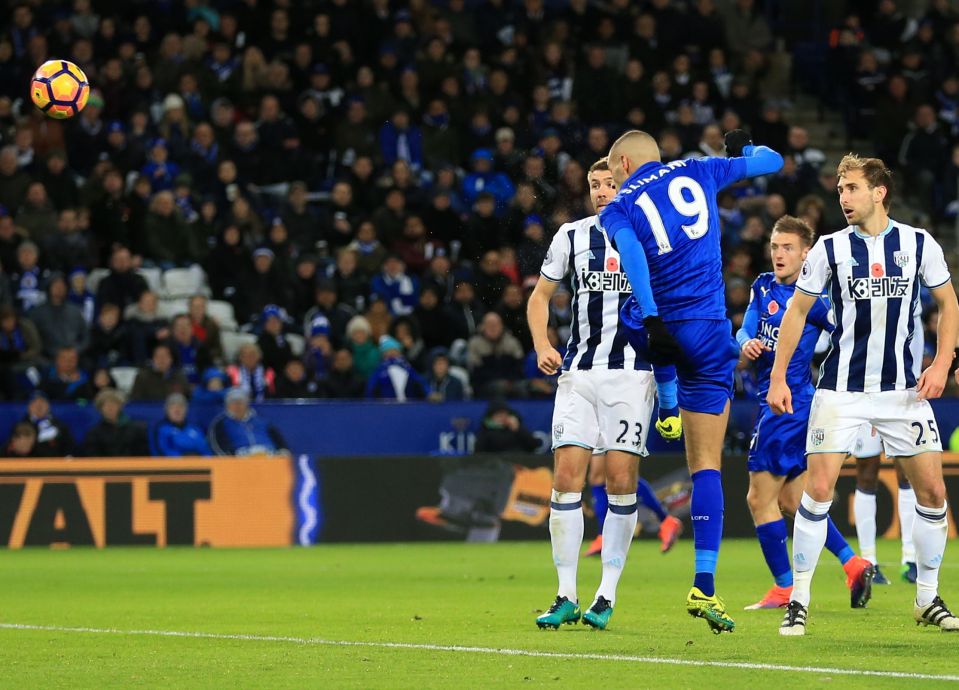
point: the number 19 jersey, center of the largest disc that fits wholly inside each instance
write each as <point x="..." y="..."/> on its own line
<point x="672" y="209"/>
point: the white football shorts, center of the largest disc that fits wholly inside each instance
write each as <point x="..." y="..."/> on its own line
<point x="868" y="442"/>
<point x="604" y="409"/>
<point x="905" y="424"/>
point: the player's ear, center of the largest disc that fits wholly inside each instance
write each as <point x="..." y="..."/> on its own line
<point x="805" y="252"/>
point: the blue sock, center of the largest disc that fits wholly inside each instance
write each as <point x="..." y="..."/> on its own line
<point x="836" y="543"/>
<point x="647" y="497"/>
<point x="666" y="390"/>
<point x="706" y="510"/>
<point x="772" y="540"/>
<point x="600" y="506"/>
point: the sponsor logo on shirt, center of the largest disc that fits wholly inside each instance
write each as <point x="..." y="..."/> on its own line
<point x="604" y="281"/>
<point x="884" y="286"/>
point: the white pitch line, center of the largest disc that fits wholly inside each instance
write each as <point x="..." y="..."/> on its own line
<point x="483" y="650"/>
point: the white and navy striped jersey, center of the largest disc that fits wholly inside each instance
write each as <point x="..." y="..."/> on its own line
<point x="873" y="285"/>
<point x="582" y="251"/>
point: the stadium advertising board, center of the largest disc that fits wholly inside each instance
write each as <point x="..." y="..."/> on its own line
<point x="151" y="502"/>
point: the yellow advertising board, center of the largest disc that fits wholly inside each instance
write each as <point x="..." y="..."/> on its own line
<point x="125" y="501"/>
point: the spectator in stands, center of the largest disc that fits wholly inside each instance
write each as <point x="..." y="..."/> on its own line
<point x="272" y="341"/>
<point x="160" y="377"/>
<point x="395" y="378"/>
<point x="465" y="311"/>
<point x="485" y="179"/>
<point x="173" y="436"/>
<point x="366" y="355"/>
<point x="294" y="381"/>
<point x="251" y="374"/>
<point x="115" y="435"/>
<point x="109" y="344"/>
<point x="26" y="280"/>
<point x="53" y="439"/>
<point x="81" y="297"/>
<point x="22" y="443"/>
<point x="503" y="432"/>
<point x="191" y="356"/>
<point x="240" y="431"/>
<point x="923" y="155"/>
<point x="20" y="344"/>
<point x="395" y="287"/>
<point x="205" y="328"/>
<point x="65" y="380"/>
<point x="145" y="325"/>
<point x="37" y="215"/>
<point x="319" y="348"/>
<point x="370" y="252"/>
<point x="444" y="387"/>
<point x="342" y="381"/>
<point x="329" y="304"/>
<point x="167" y="237"/>
<point x="495" y="359"/>
<point x="59" y="323"/>
<point x="122" y="286"/>
<point x="212" y="388"/>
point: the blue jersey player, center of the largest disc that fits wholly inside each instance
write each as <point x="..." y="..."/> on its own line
<point x="777" y="454"/>
<point x="665" y="224"/>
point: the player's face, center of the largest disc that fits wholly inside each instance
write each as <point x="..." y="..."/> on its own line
<point x="602" y="189"/>
<point x="787" y="253"/>
<point x="858" y="201"/>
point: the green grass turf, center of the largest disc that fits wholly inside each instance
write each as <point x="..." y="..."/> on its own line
<point x="444" y="594"/>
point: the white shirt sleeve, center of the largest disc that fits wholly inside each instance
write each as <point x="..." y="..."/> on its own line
<point x="934" y="270"/>
<point x="556" y="264"/>
<point x="815" y="272"/>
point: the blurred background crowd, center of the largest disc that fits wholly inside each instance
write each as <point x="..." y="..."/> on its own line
<point x="347" y="199"/>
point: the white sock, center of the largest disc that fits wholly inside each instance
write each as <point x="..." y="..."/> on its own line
<point x="864" y="507"/>
<point x="809" y="537"/>
<point x="907" y="516"/>
<point x="929" y="534"/>
<point x="566" y="534"/>
<point x="617" y="536"/>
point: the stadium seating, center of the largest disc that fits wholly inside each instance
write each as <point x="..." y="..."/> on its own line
<point x="184" y="282"/>
<point x="94" y="278"/>
<point x="297" y="343"/>
<point x="153" y="277"/>
<point x="222" y="312"/>
<point x="168" y="308"/>
<point x="232" y="341"/>
<point x="124" y="377"/>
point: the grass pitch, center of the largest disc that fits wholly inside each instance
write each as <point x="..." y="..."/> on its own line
<point x="295" y="613"/>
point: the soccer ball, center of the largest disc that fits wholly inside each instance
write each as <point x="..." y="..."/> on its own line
<point x="59" y="88"/>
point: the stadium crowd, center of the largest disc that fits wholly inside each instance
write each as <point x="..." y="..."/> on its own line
<point x="342" y="199"/>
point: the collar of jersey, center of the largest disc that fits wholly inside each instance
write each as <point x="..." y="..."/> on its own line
<point x="644" y="167"/>
<point x="867" y="236"/>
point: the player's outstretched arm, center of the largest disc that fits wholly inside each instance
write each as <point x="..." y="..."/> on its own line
<point x="760" y="160"/>
<point x="779" y="396"/>
<point x="537" y="315"/>
<point x="933" y="380"/>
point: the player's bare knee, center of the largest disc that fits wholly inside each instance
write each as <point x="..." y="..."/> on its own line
<point x="820" y="489"/>
<point x="931" y="494"/>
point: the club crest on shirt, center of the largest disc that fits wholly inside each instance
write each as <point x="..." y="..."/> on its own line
<point x="817" y="436"/>
<point x="901" y="259"/>
<point x="557" y="430"/>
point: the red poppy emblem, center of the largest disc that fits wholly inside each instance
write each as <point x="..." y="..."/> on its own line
<point x="877" y="271"/>
<point x="612" y="264"/>
<point x="773" y="307"/>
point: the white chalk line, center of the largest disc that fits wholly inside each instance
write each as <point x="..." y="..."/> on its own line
<point x="316" y="641"/>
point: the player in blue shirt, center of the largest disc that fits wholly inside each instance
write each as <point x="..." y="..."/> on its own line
<point x="665" y="223"/>
<point x="777" y="454"/>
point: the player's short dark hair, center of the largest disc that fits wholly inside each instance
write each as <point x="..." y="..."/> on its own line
<point x="873" y="169"/>
<point x="601" y="164"/>
<point x="796" y="226"/>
